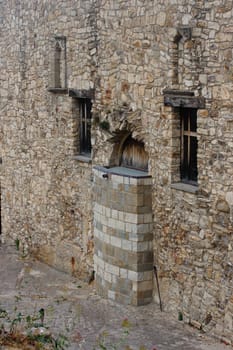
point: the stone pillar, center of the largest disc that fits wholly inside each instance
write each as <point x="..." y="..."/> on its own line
<point x="123" y="235"/>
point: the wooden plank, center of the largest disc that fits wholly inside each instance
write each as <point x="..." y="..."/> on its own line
<point x="184" y="101"/>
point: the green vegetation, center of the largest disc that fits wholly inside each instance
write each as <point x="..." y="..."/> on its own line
<point x="28" y="332"/>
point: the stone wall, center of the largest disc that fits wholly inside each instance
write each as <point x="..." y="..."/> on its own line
<point x="129" y="52"/>
<point x="46" y="191"/>
<point x="192" y="229"/>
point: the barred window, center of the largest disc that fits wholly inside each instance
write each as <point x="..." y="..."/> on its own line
<point x="85" y="125"/>
<point x="189" y="145"/>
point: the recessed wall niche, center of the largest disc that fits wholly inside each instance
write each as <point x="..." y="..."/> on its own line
<point x="58" y="69"/>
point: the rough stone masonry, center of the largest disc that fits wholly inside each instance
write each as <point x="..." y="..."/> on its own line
<point x="156" y="71"/>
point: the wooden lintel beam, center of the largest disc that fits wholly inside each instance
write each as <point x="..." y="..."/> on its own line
<point x="184" y="101"/>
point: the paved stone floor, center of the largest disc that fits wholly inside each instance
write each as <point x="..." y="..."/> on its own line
<point x="72" y="308"/>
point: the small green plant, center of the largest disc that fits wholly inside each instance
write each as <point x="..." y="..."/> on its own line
<point x="41" y="313"/>
<point x="180" y="316"/>
<point x="23" y="331"/>
<point x="104" y="342"/>
<point x="45" y="340"/>
<point x="17" y="242"/>
<point x="15" y="322"/>
<point x="17" y="298"/>
<point x="104" y="125"/>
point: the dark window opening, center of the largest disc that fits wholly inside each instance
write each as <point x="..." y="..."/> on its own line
<point x="57" y="66"/>
<point x="189" y="145"/>
<point x="134" y="155"/>
<point x="85" y="126"/>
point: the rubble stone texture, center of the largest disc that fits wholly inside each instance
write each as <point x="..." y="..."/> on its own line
<point x="129" y="52"/>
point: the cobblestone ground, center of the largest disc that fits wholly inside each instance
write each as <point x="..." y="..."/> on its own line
<point x="72" y="308"/>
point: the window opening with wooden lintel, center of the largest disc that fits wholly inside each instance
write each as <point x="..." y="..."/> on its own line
<point x="82" y="116"/>
<point x="85" y="106"/>
<point x="184" y="116"/>
<point x="188" y="166"/>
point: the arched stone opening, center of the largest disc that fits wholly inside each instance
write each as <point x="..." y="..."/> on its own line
<point x="128" y="152"/>
<point x="133" y="154"/>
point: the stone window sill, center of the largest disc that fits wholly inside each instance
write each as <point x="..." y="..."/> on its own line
<point x="83" y="158"/>
<point x="181" y="186"/>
